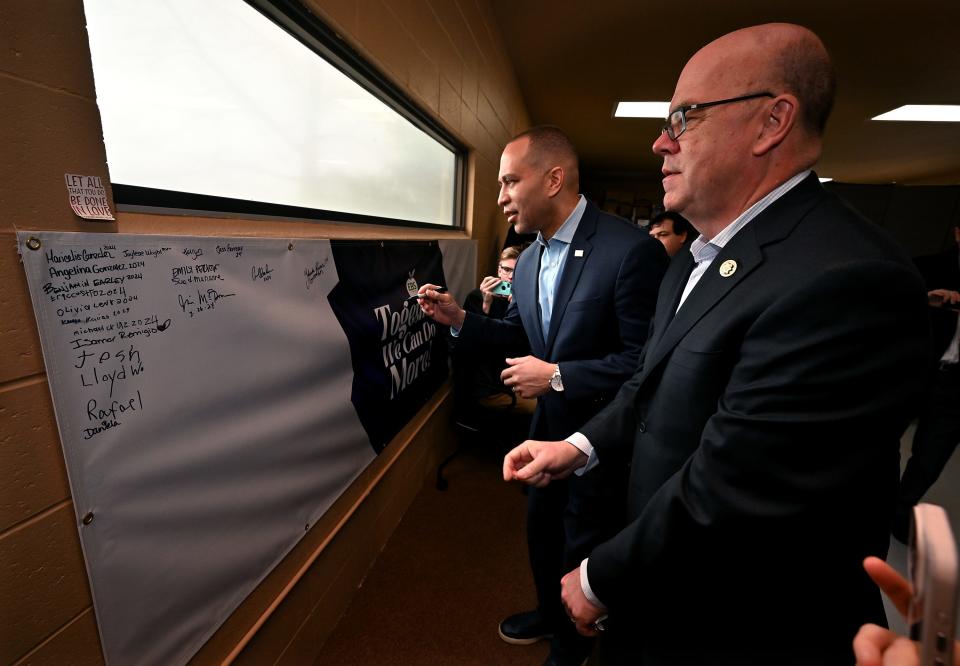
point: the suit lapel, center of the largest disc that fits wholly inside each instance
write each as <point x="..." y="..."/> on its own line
<point x="772" y="225"/>
<point x="526" y="283"/>
<point x="710" y="290"/>
<point x="669" y="294"/>
<point x="577" y="256"/>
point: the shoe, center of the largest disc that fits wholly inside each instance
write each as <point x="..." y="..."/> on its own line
<point x="524" y="629"/>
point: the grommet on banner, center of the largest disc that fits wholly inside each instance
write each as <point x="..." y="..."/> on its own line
<point x="33" y="243"/>
<point x="290" y="247"/>
<point x="87" y="519"/>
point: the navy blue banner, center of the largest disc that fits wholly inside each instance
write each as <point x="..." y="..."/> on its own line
<point x="399" y="356"/>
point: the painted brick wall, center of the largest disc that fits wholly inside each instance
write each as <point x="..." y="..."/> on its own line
<point x="449" y="56"/>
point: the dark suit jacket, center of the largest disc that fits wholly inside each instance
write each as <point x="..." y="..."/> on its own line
<point x="762" y="437"/>
<point x="476" y="372"/>
<point x="601" y="313"/>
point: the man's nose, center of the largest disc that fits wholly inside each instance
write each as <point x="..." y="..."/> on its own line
<point x="502" y="197"/>
<point x="664" y="145"/>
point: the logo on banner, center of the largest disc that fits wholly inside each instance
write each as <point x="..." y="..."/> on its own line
<point x="412" y="286"/>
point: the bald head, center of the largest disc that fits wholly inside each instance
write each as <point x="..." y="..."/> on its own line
<point x="781" y="58"/>
<point x="756" y="101"/>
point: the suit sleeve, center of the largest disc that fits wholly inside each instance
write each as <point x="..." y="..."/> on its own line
<point x="635" y="297"/>
<point x="474" y="302"/>
<point x="802" y="442"/>
<point x="482" y="332"/>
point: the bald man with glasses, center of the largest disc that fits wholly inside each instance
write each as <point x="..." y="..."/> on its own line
<point x="761" y="431"/>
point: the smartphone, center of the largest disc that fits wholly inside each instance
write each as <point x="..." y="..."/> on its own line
<point x="932" y="563"/>
<point x="503" y="289"/>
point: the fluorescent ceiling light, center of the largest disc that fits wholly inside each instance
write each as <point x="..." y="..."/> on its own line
<point x="642" y="110"/>
<point x="943" y="113"/>
<point x="825" y="180"/>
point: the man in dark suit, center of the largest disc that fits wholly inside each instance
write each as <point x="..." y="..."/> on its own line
<point x="938" y="426"/>
<point x="761" y="430"/>
<point x="583" y="295"/>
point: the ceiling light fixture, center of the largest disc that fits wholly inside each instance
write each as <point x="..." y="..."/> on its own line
<point x="657" y="110"/>
<point x="825" y="180"/>
<point x="942" y="113"/>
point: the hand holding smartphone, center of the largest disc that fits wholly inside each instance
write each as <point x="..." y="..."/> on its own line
<point x="932" y="563"/>
<point x="503" y="290"/>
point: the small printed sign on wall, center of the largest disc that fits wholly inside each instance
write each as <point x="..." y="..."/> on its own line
<point x="88" y="197"/>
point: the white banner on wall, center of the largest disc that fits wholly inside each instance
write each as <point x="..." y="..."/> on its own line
<point x="214" y="396"/>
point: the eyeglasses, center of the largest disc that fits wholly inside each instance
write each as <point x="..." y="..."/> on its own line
<point x="677" y="121"/>
<point x="506" y="269"/>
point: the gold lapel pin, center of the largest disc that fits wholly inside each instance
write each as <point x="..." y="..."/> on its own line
<point x="728" y="268"/>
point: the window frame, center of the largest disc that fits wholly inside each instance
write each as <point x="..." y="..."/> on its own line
<point x="298" y="22"/>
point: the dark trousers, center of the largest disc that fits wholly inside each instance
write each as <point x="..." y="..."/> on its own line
<point x="937" y="435"/>
<point x="565" y="521"/>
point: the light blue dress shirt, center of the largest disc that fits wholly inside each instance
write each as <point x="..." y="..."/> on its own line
<point x="553" y="259"/>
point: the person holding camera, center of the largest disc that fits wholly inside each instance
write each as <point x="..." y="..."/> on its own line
<point x="495" y="293"/>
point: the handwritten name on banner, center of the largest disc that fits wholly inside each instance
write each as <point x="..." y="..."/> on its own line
<point x="185" y="370"/>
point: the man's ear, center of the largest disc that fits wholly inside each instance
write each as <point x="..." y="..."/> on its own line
<point x="777" y="124"/>
<point x="553" y="180"/>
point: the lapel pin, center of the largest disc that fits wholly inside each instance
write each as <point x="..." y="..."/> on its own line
<point x="728" y="268"/>
<point x="578" y="253"/>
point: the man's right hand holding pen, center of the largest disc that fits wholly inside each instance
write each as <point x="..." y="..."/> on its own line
<point x="440" y="306"/>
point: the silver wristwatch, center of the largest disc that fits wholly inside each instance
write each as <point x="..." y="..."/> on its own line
<point x="556" y="381"/>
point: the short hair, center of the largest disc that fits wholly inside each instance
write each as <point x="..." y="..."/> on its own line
<point x="806" y="70"/>
<point x="550" y="142"/>
<point x="680" y="224"/>
<point x="510" y="252"/>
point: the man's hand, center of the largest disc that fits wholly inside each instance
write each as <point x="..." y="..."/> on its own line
<point x="538" y="463"/>
<point x="578" y="607"/>
<point x="486" y="290"/>
<point x="890" y="582"/>
<point x="873" y="645"/>
<point x="944" y="297"/>
<point x="527" y="376"/>
<point x="442" y="308"/>
<point x="876" y="646"/>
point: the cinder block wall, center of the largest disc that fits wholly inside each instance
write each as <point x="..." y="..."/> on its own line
<point x="448" y="55"/>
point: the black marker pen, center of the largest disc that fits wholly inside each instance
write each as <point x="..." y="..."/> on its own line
<point x="439" y="290"/>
